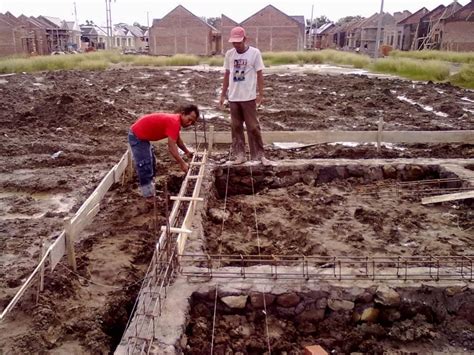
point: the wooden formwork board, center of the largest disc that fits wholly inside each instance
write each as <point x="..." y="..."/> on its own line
<point x="73" y="226"/>
<point x="459" y="136"/>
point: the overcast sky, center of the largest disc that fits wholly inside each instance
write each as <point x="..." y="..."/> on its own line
<point x="130" y="11"/>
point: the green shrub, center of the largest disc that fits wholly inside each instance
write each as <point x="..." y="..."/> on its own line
<point x="412" y="69"/>
<point x="465" y="77"/>
<point x="454" y="57"/>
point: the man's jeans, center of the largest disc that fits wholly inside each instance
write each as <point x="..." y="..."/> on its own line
<point x="144" y="158"/>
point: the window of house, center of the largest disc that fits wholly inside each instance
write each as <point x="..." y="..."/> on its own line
<point x="118" y="42"/>
<point x="129" y="42"/>
<point x="391" y="40"/>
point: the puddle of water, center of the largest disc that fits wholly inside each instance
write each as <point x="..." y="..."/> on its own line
<point x="354" y="144"/>
<point x="10" y="216"/>
<point x="211" y="113"/>
<point x="44" y="201"/>
<point x="426" y="108"/>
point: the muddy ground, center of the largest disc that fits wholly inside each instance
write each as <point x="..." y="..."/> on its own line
<point x="345" y="218"/>
<point x="62" y="131"/>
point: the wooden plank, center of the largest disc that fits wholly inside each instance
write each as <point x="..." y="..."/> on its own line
<point x="447" y="197"/>
<point x="58" y="249"/>
<point x="177" y="198"/>
<point x="79" y="224"/>
<point x="328" y="136"/>
<point x="176" y="230"/>
<point x="121" y="167"/>
<point x="96" y="196"/>
<point x="23" y="288"/>
<point x="70" y="237"/>
<point x="211" y="139"/>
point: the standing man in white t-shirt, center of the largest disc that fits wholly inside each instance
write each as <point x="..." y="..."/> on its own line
<point x="243" y="87"/>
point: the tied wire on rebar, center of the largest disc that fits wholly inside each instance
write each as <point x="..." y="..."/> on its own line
<point x="417" y="188"/>
<point x="259" y="253"/>
<point x="220" y="249"/>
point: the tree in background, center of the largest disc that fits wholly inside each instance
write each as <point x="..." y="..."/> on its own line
<point x="317" y="22"/>
<point x="143" y="28"/>
<point x="348" y="19"/>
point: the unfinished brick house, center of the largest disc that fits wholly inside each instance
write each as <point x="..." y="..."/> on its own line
<point x="407" y="30"/>
<point x="431" y="27"/>
<point x="224" y="27"/>
<point x="11" y="36"/>
<point x="37" y="41"/>
<point x="459" y="30"/>
<point x="392" y="34"/>
<point x="337" y="36"/>
<point x="180" y="31"/>
<point x="353" y="34"/>
<point x="271" y="30"/>
<point x="322" y="39"/>
<point x="368" y="35"/>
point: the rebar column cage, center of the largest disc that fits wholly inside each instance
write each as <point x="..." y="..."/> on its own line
<point x="301" y="267"/>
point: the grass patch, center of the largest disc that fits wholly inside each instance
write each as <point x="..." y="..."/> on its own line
<point x="412" y="69"/>
<point x="316" y="57"/>
<point x="454" y="57"/>
<point x="98" y="64"/>
<point x="465" y="77"/>
<point x="213" y="61"/>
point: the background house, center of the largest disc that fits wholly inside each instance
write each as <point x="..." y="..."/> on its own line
<point x="431" y="26"/>
<point x="93" y="36"/>
<point x="180" y="31"/>
<point x="271" y="30"/>
<point x="321" y="40"/>
<point x="459" y="30"/>
<point x="225" y="25"/>
<point x="392" y="33"/>
<point x="407" y="30"/>
<point x="368" y="36"/>
<point x="12" y="33"/>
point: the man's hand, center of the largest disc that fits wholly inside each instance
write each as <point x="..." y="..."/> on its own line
<point x="221" y="102"/>
<point x="184" y="166"/>
<point x="259" y="100"/>
<point x="189" y="155"/>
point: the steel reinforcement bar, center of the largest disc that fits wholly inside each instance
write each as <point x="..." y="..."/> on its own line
<point x="301" y="267"/>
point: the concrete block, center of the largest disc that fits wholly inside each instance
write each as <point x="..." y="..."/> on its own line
<point x="314" y="350"/>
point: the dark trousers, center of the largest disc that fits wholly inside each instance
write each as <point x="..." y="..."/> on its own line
<point x="241" y="112"/>
<point x="145" y="163"/>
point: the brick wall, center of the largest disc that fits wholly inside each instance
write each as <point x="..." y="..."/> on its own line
<point x="458" y="36"/>
<point x="181" y="32"/>
<point x="11" y="39"/>
<point x="226" y="25"/>
<point x="271" y="30"/>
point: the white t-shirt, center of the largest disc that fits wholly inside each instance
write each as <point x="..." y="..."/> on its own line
<point x="243" y="69"/>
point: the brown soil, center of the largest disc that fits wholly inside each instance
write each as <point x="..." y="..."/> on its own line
<point x="344" y="218"/>
<point x="62" y="131"/>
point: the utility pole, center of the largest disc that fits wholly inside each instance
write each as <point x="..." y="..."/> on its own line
<point x="311" y="28"/>
<point x="148" y="19"/>
<point x="75" y="13"/>
<point x="379" y="32"/>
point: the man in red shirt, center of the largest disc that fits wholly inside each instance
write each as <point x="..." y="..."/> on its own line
<point x="154" y="127"/>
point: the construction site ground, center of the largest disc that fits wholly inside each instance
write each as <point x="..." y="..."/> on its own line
<point x="62" y="131"/>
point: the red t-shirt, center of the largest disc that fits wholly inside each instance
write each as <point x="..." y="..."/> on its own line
<point x="156" y="126"/>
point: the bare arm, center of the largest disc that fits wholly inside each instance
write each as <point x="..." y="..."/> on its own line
<point x="259" y="87"/>
<point x="225" y="86"/>
<point x="183" y="147"/>
<point x="173" y="149"/>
